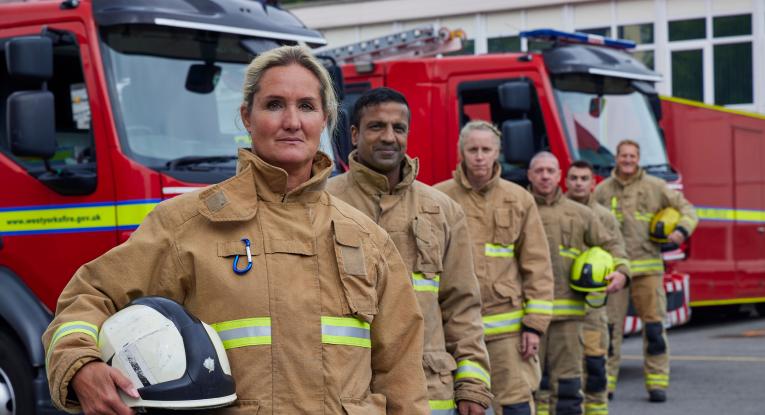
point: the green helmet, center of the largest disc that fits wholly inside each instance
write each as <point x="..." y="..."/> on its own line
<point x="590" y="269"/>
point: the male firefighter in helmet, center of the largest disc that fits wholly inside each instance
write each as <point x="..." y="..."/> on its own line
<point x="430" y="231"/>
<point x="580" y="182"/>
<point x="512" y="264"/>
<point x="636" y="198"/>
<point x="573" y="232"/>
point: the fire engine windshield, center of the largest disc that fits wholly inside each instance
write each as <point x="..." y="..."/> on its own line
<point x="598" y="112"/>
<point x="176" y="96"/>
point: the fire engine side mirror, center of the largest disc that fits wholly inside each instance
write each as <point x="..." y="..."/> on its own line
<point x="515" y="96"/>
<point x="30" y="57"/>
<point x="518" y="141"/>
<point x="31" y="128"/>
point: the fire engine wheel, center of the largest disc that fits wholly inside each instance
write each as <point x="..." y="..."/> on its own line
<point x="16" y="395"/>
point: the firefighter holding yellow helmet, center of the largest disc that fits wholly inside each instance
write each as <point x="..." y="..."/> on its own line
<point x="635" y="198"/>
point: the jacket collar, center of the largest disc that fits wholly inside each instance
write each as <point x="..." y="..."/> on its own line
<point x="632" y="179"/>
<point x="588" y="201"/>
<point x="236" y="199"/>
<point x="542" y="202"/>
<point x="374" y="183"/>
<point x="460" y="176"/>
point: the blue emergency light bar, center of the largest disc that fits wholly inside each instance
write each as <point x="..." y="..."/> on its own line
<point x="577" y="37"/>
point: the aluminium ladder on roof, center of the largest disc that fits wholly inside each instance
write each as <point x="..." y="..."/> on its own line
<point x="421" y="41"/>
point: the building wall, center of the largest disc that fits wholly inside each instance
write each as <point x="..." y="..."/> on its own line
<point x="702" y="47"/>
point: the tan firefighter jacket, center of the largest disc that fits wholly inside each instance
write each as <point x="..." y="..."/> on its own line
<point x="430" y="232"/>
<point x="607" y="219"/>
<point x="324" y="323"/>
<point x="634" y="202"/>
<point x="510" y="253"/>
<point x="571" y="229"/>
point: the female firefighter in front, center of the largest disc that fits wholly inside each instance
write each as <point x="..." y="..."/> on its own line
<point x="335" y="324"/>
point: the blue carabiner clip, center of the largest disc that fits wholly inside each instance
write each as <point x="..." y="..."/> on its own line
<point x="249" y="259"/>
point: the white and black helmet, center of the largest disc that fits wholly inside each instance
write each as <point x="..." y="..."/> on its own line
<point x="173" y="359"/>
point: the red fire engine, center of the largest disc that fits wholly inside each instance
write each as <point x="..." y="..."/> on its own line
<point x="109" y="107"/>
<point x="721" y="153"/>
<point x="578" y="98"/>
<point x="106" y="108"/>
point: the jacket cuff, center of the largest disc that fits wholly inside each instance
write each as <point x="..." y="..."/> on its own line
<point x="60" y="387"/>
<point x="530" y="330"/>
<point x="684" y="231"/>
<point x="538" y="322"/>
<point x="624" y="270"/>
<point x="469" y="392"/>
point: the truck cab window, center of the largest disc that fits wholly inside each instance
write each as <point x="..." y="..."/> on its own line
<point x="480" y="100"/>
<point x="75" y="149"/>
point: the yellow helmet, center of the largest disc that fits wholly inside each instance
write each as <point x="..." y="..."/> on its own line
<point x="590" y="269"/>
<point x="663" y="223"/>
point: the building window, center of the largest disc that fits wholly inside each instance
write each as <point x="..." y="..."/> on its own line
<point x="638" y="33"/>
<point x="468" y="48"/>
<point x="733" y="73"/>
<point x="504" y="44"/>
<point x="687" y="74"/>
<point x="600" y="31"/>
<point x="687" y="29"/>
<point x="739" y="25"/>
<point x="644" y="56"/>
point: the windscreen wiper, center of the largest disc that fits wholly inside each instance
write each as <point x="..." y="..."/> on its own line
<point x="655" y="167"/>
<point x="195" y="161"/>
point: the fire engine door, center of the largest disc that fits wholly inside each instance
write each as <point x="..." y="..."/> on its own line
<point x="57" y="217"/>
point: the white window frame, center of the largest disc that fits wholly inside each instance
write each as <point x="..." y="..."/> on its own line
<point x="707" y="44"/>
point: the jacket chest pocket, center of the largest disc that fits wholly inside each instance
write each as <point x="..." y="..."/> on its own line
<point x="428" y="240"/>
<point x="647" y="204"/>
<point x="570" y="234"/>
<point x="506" y="228"/>
<point x="235" y="252"/>
<point x="359" y="282"/>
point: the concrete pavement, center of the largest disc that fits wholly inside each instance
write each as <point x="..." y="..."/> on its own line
<point x="717" y="368"/>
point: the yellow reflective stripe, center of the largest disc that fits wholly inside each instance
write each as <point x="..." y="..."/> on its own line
<point x="499" y="250"/>
<point x="611" y="383"/>
<point x="747" y="300"/>
<point x="422" y="284"/>
<point x="645" y="217"/>
<point x="614" y="209"/>
<point x="713" y="107"/>
<point x="596" y="409"/>
<point x="568" y="252"/>
<point x="652" y="379"/>
<point x="647" y="265"/>
<point x="568" y="308"/>
<point x="82" y="217"/>
<point x="345" y="331"/>
<point x="442" y="404"/>
<point x="470" y="369"/>
<point x="244" y="332"/>
<point x="721" y="214"/>
<point x="68" y="328"/>
<point x="502" y="323"/>
<point x="543" y="408"/>
<point x="539" y="307"/>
